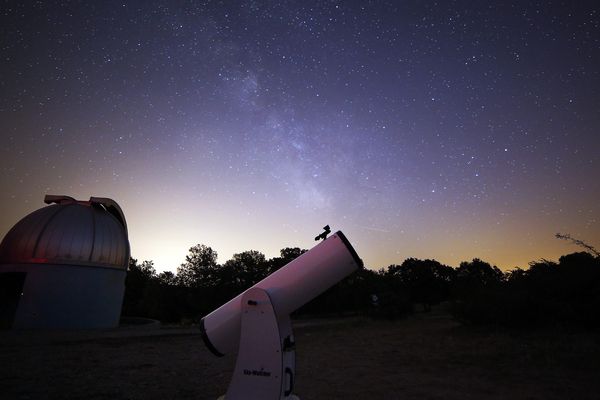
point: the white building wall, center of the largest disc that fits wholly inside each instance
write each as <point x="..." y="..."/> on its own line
<point x="68" y="296"/>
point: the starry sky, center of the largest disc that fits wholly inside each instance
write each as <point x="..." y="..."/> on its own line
<point x="447" y="130"/>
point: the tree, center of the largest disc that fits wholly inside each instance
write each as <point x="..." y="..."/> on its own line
<point x="200" y="268"/>
<point x="167" y="278"/>
<point x="287" y="255"/>
<point x="139" y="277"/>
<point x="478" y="273"/>
<point x="425" y="281"/>
<point x="290" y="253"/>
<point x="245" y="269"/>
<point x="479" y="292"/>
<point x="579" y="242"/>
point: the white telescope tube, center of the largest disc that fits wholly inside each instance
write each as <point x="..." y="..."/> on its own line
<point x="289" y="288"/>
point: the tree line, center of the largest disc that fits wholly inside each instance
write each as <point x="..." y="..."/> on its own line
<point x="566" y="292"/>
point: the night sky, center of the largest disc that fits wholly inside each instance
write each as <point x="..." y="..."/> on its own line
<point x="447" y="130"/>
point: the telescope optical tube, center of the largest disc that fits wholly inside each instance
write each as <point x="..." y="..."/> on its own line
<point x="289" y="288"/>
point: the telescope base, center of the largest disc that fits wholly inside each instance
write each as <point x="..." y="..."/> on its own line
<point x="266" y="361"/>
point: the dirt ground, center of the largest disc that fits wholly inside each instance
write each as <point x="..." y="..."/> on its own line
<point x="423" y="357"/>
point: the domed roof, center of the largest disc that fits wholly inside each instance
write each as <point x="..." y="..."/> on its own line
<point x="92" y="233"/>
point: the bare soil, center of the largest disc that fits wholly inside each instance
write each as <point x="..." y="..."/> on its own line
<point x="423" y="357"/>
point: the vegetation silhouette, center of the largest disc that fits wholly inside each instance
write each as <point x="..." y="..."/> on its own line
<point x="547" y="293"/>
<point x="589" y="248"/>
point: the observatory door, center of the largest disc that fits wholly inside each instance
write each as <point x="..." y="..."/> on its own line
<point x="11" y="287"/>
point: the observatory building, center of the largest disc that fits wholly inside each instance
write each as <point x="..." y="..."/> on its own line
<point x="64" y="265"/>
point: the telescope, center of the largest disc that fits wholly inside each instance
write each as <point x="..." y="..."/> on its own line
<point x="257" y="324"/>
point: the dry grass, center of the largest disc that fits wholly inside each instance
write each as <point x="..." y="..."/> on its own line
<point x="416" y="358"/>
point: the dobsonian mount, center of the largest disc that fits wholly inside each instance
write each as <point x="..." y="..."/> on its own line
<point x="323" y="236"/>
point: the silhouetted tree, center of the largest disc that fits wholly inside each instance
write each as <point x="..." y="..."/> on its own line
<point x="167" y="278"/>
<point x="425" y="281"/>
<point x="164" y="296"/>
<point x="198" y="278"/>
<point x="477" y="274"/>
<point x="591" y="249"/>
<point x="387" y="296"/>
<point x="139" y="277"/>
<point x="200" y="268"/>
<point x="245" y="269"/>
<point x="290" y="253"/>
<point x="579" y="275"/>
<point x="287" y="255"/>
<point x="548" y="293"/>
<point x="477" y="292"/>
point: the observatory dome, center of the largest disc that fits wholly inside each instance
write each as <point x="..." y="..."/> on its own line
<point x="64" y="266"/>
<point x="69" y="232"/>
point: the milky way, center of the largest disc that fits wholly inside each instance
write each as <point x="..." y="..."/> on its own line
<point x="446" y="130"/>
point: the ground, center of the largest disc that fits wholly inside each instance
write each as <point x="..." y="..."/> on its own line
<point x="422" y="357"/>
